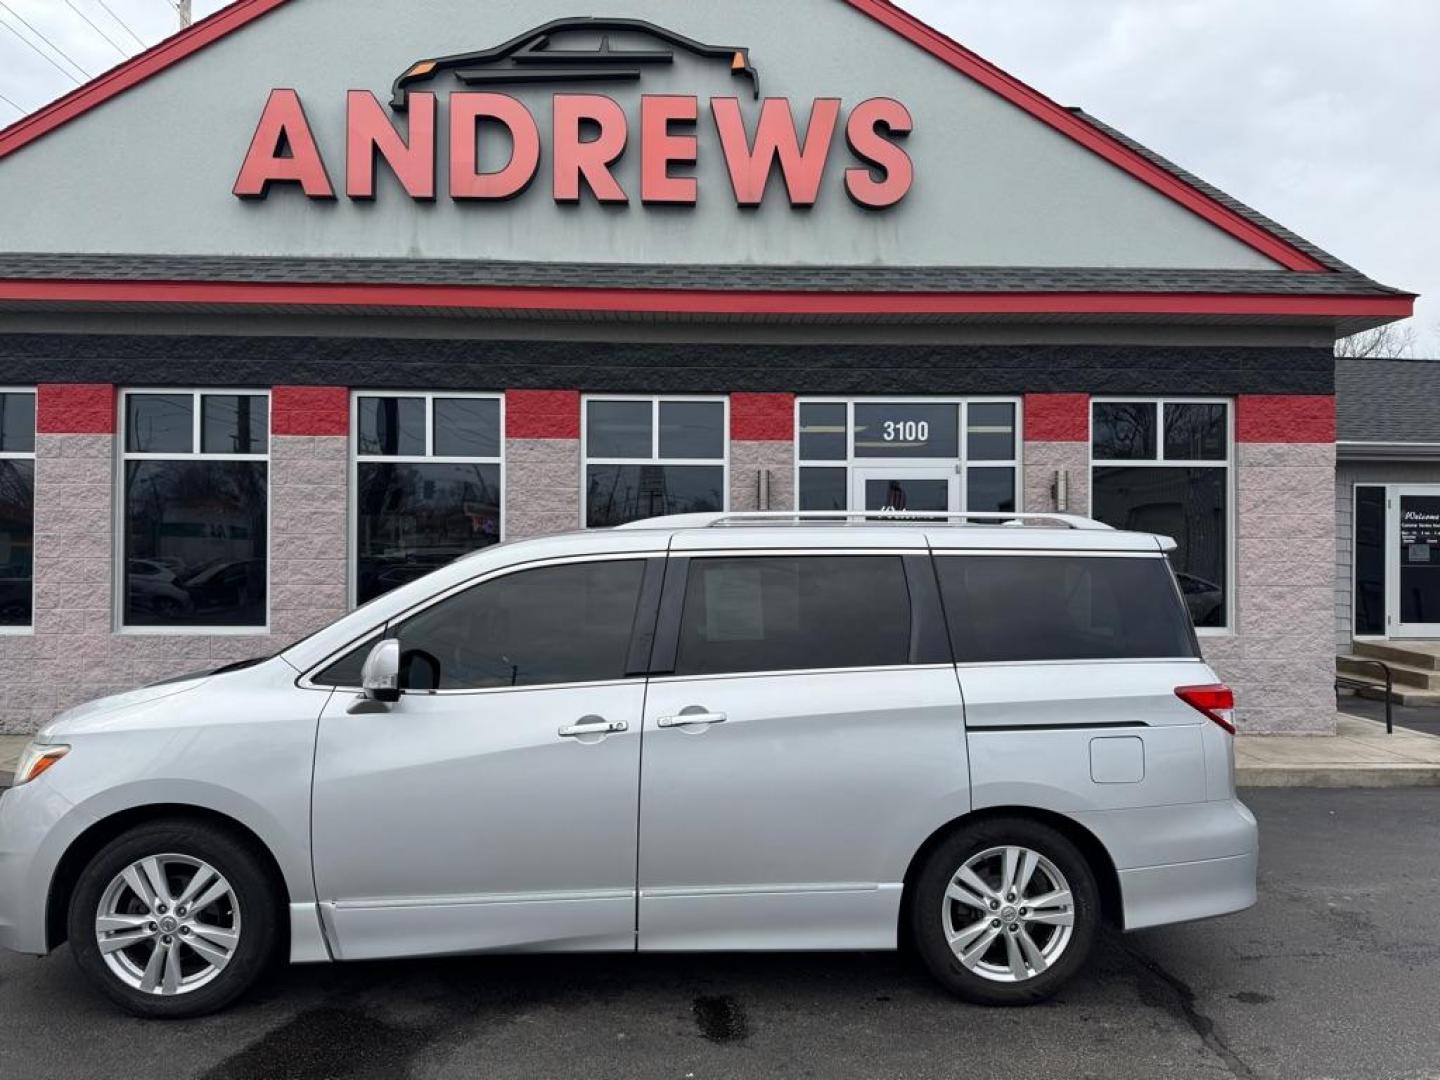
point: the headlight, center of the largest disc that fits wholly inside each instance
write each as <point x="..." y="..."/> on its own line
<point x="37" y="759"/>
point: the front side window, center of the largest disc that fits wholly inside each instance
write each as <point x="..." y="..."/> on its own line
<point x="543" y="627"/>
<point x="427" y="483"/>
<point x="1164" y="467"/>
<point x="649" y="457"/>
<point x="17" y="508"/>
<point x="196" y="476"/>
<point x="1009" y="609"/>
<point x="794" y="613"/>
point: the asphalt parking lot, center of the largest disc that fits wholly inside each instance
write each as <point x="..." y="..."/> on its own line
<point x="1335" y="974"/>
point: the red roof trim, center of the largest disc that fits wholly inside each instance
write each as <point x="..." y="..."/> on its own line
<point x="695" y="301"/>
<point x="1067" y="123"/>
<point x="132" y="72"/>
<point x="242" y="12"/>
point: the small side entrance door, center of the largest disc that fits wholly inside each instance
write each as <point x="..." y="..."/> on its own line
<point x="1414" y="562"/>
<point x="908" y="489"/>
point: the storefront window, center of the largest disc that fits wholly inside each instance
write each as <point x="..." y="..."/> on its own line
<point x="1164" y="467"/>
<point x="909" y="455"/>
<point x="649" y="457"/>
<point x="428" y="484"/>
<point x="196" y="502"/>
<point x="1369" y="532"/>
<point x="17" y="508"/>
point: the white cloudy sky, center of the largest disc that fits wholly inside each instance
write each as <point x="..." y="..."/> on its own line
<point x="1325" y="114"/>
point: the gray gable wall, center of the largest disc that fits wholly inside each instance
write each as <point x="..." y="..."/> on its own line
<point x="151" y="171"/>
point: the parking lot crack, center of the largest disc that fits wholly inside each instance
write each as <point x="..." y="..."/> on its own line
<point x="1157" y="984"/>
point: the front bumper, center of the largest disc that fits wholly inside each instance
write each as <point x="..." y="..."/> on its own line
<point x="32" y="837"/>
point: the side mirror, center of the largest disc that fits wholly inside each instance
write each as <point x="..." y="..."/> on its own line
<point x="380" y="678"/>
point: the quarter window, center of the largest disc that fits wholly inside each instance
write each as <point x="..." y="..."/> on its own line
<point x="17" y="508"/>
<point x="649" y="457"/>
<point x="428" y="483"/>
<point x="795" y="613"/>
<point x="1005" y="608"/>
<point x="543" y="627"/>
<point x="196" y="478"/>
<point x="1164" y="467"/>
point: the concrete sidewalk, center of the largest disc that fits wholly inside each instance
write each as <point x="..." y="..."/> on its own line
<point x="10" y="747"/>
<point x="1360" y="755"/>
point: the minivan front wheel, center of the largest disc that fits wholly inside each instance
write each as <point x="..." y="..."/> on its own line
<point x="173" y="919"/>
<point x="1005" y="912"/>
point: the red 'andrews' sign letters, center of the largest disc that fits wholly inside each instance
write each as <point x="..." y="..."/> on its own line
<point x="591" y="133"/>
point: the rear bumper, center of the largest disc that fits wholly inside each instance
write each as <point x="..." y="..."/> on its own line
<point x="1182" y="892"/>
<point x="1178" y="863"/>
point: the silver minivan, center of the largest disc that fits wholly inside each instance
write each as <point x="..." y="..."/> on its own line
<point x="983" y="736"/>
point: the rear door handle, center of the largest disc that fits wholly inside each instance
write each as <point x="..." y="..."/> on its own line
<point x="592" y="726"/>
<point x="689" y="719"/>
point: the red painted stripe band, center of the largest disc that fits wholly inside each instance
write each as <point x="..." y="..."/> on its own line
<point x="662" y="301"/>
<point x="1287" y="418"/>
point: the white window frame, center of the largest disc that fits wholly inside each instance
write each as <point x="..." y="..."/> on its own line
<point x="961" y="462"/>
<point x="352" y="528"/>
<point x="21" y="455"/>
<point x="655" y="401"/>
<point x="1159" y="461"/>
<point x="124" y="456"/>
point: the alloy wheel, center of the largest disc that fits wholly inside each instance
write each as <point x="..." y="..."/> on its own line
<point x="168" y="925"/>
<point x="1008" y="914"/>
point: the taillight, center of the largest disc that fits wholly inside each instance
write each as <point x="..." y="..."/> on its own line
<point x="1217" y="702"/>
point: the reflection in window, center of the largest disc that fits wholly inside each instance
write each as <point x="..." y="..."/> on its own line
<point x="196" y="506"/>
<point x="17" y="508"/>
<point x="1369" y="542"/>
<point x="427" y="485"/>
<point x="560" y="624"/>
<point x="1124" y="431"/>
<point x="1135" y="486"/>
<point x="1188" y="505"/>
<point x="618" y="494"/>
<point x="415" y="518"/>
<point x="652" y="457"/>
<point x="794" y="614"/>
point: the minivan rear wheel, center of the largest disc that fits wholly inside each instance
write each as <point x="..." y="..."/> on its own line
<point x="1005" y="912"/>
<point x="173" y="919"/>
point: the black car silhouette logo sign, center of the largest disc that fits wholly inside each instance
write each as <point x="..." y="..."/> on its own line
<point x="463" y="95"/>
<point x="536" y="57"/>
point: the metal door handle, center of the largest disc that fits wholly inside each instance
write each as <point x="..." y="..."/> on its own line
<point x="689" y="719"/>
<point x="593" y="725"/>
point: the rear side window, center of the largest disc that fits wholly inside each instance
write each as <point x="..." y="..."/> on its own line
<point x="1055" y="607"/>
<point x="793" y="613"/>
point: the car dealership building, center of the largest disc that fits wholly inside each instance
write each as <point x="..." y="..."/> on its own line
<point x="316" y="296"/>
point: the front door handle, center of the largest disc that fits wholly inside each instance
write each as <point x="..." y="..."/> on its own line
<point x="591" y="726"/>
<point x="689" y="719"/>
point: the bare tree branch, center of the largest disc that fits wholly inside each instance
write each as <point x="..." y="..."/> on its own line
<point x="1396" y="340"/>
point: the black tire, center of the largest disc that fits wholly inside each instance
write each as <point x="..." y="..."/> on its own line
<point x="235" y="860"/>
<point x="928" y="910"/>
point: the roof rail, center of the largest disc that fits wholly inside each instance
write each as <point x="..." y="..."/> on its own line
<point x="869" y="517"/>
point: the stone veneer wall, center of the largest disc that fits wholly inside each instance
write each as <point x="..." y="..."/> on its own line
<point x="542" y="463"/>
<point x="74" y="653"/>
<point x="1281" y="658"/>
<point x="762" y="440"/>
<point x="1057" y="439"/>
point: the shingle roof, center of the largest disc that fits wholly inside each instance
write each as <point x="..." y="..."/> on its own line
<point x="899" y="279"/>
<point x="1388" y="401"/>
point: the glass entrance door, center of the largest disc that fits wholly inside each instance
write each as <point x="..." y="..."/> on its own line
<point x="1415" y="562"/>
<point x="887" y="489"/>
